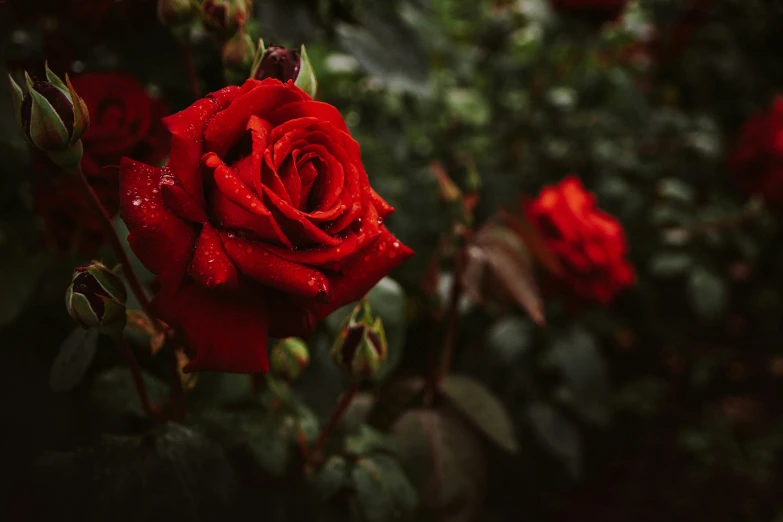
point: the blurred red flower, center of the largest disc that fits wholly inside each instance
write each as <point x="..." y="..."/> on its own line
<point x="124" y="121"/>
<point x="589" y="243"/>
<point x="757" y="158"/>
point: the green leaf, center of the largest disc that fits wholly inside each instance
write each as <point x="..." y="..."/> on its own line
<point x="668" y="264"/>
<point x="387" y="48"/>
<point x="387" y="301"/>
<point x="707" y="293"/>
<point x="75" y="355"/>
<point x="265" y="437"/>
<point x="586" y="374"/>
<point x="306" y="79"/>
<point x="172" y="474"/>
<point x="383" y="493"/>
<point x="482" y="409"/>
<point x="444" y="460"/>
<point x="331" y="478"/>
<point x="558" y="435"/>
<point x="115" y="403"/>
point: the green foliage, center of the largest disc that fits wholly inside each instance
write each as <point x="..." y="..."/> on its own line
<point x="73" y="360"/>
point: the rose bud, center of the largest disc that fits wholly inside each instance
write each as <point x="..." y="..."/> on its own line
<point x="177" y="15"/>
<point x="284" y="64"/>
<point x="96" y="298"/>
<point x="238" y="56"/>
<point x="52" y="117"/>
<point x="361" y="347"/>
<point x="289" y="358"/>
<point x="223" y="18"/>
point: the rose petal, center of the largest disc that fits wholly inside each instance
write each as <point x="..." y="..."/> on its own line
<point x="157" y="236"/>
<point x="227" y="127"/>
<point x="211" y="265"/>
<point x="180" y="202"/>
<point x="383" y="208"/>
<point x="228" y="332"/>
<point x="256" y="262"/>
<point x="295" y="224"/>
<point x="232" y="188"/>
<point x="187" y="128"/>
<point x="362" y="272"/>
<point x="321" y="111"/>
<point x="320" y="256"/>
<point x="288" y="318"/>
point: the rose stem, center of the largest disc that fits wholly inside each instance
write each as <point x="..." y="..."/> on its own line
<point x="127" y="269"/>
<point x="442" y="363"/>
<point x="177" y="394"/>
<point x="334" y="419"/>
<point x="190" y="67"/>
<point x="138" y="382"/>
<point x="119" y="251"/>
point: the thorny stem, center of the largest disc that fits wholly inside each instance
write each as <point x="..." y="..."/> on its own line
<point x="190" y="67"/>
<point x="138" y="382"/>
<point x="133" y="282"/>
<point x="337" y="414"/>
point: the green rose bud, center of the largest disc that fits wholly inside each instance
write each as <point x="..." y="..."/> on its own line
<point x="177" y="15"/>
<point x="96" y="298"/>
<point x="238" y="55"/>
<point x="289" y="358"/>
<point x="52" y="117"/>
<point x="361" y="347"/>
<point x="224" y="18"/>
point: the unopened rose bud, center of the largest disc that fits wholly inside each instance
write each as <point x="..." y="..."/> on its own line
<point x="223" y="18"/>
<point x="289" y="358"/>
<point x="237" y="56"/>
<point x="284" y="64"/>
<point x="96" y="298"/>
<point x="361" y="347"/>
<point x="52" y="117"/>
<point x="279" y="62"/>
<point x="177" y="15"/>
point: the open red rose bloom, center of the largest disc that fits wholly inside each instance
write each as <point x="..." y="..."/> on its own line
<point x="589" y="243"/>
<point x="261" y="224"/>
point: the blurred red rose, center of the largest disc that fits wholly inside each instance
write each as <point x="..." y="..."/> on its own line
<point x="124" y="121"/>
<point x="594" y="11"/>
<point x="757" y="158"/>
<point x="262" y="223"/>
<point x="589" y="243"/>
<point x="70" y="223"/>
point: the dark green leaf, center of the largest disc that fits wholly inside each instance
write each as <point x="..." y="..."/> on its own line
<point x="707" y="293"/>
<point x="174" y="474"/>
<point x="557" y="435"/>
<point x="586" y="374"/>
<point x="444" y="460"/>
<point x="482" y="409"/>
<point x="387" y="48"/>
<point x="115" y="403"/>
<point x="75" y="355"/>
<point x="383" y="492"/>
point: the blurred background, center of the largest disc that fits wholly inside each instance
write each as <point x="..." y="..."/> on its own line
<point x="663" y="404"/>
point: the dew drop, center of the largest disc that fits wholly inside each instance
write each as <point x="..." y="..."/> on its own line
<point x="396" y="244"/>
<point x="249" y="250"/>
<point x="136" y="201"/>
<point x="380" y="220"/>
<point x="311" y="282"/>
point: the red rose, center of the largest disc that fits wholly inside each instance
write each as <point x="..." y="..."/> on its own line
<point x="70" y="223"/>
<point x="596" y="11"/>
<point x="757" y="157"/>
<point x="589" y="243"/>
<point x="124" y="121"/>
<point x="262" y="223"/>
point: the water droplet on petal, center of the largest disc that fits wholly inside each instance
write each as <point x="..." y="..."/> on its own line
<point x="136" y="201"/>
